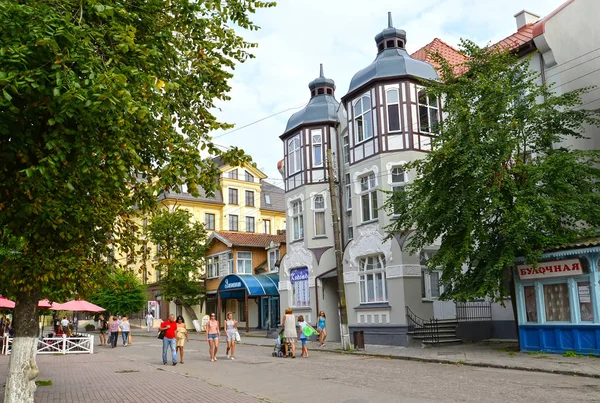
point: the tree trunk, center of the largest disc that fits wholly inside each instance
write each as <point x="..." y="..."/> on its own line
<point x="193" y="315"/>
<point x="22" y="368"/>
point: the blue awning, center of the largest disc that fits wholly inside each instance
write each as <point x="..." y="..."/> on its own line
<point x="234" y="286"/>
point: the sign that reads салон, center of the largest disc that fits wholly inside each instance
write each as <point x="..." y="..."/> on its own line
<point x="234" y="284"/>
<point x="556" y="268"/>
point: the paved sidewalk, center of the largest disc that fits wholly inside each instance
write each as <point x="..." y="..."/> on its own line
<point x="487" y="354"/>
<point x="104" y="378"/>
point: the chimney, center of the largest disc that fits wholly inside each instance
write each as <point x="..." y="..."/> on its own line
<point x="524" y="17"/>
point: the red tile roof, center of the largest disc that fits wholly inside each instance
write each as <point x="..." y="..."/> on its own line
<point x="521" y="37"/>
<point x="248" y="239"/>
<point x="454" y="57"/>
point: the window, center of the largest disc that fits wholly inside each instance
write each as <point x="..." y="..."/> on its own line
<point x="230" y="263"/>
<point x="368" y="198"/>
<point x="249" y="198"/>
<point x="300" y="287"/>
<point x="244" y="263"/>
<point x="362" y="119"/>
<point x="428" y="112"/>
<point x="530" y="304"/>
<point x="434" y="282"/>
<point x="317" y="145"/>
<point x="294" y="155"/>
<point x="398" y="182"/>
<point x="267" y="224"/>
<point x="209" y="221"/>
<point x="233" y="174"/>
<point x="319" y="210"/>
<point x="297" y="220"/>
<point x="350" y="232"/>
<point x="233" y="222"/>
<point x="373" y="287"/>
<point x="242" y="308"/>
<point x="348" y="184"/>
<point x="233" y="196"/>
<point x="268" y="199"/>
<point x="556" y="300"/>
<point x="212" y="267"/>
<point x="393" y="110"/>
<point x="346" y="149"/>
<point x="249" y="177"/>
<point x="158" y="275"/>
<point x="273" y="259"/>
<point x="585" y="303"/>
<point x="249" y="224"/>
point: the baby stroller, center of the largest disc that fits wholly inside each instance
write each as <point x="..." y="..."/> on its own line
<point x="279" y="349"/>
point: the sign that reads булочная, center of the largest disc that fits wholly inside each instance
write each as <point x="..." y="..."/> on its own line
<point x="555" y="268"/>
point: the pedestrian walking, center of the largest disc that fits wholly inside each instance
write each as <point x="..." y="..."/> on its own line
<point x="212" y="337"/>
<point x="113" y="326"/>
<point x="181" y="336"/>
<point x="303" y="337"/>
<point x="125" y="330"/>
<point x="321" y="328"/>
<point x="230" y="328"/>
<point x="289" y="331"/>
<point x="103" y="325"/>
<point x="170" y="328"/>
<point x="149" y="321"/>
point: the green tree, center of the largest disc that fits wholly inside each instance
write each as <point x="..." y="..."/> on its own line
<point x="181" y="246"/>
<point x="122" y="293"/>
<point x="104" y="105"/>
<point x="500" y="182"/>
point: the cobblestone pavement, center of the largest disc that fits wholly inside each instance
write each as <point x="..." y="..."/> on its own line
<point x="136" y="374"/>
<point x="108" y="377"/>
<point x="497" y="355"/>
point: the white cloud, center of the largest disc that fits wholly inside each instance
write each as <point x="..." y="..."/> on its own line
<point x="298" y="35"/>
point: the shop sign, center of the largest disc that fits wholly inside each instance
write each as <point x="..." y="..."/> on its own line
<point x="234" y="284"/>
<point x="553" y="269"/>
<point x="299" y="275"/>
<point x="584" y="294"/>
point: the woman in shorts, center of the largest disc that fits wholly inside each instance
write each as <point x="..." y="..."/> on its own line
<point x="181" y="336"/>
<point x="212" y="337"/>
<point x="230" y="328"/>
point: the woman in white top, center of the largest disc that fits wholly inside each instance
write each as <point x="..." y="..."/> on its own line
<point x="230" y="329"/>
<point x="289" y="331"/>
<point x="125" y="329"/>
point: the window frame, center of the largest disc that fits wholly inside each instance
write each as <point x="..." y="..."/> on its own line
<point x="389" y="104"/>
<point x="348" y="196"/>
<point x="427" y="105"/>
<point x="296" y="285"/>
<point x="294" y="154"/>
<point x="268" y="199"/>
<point x="297" y="219"/>
<point x="230" y="192"/>
<point x="207" y="222"/>
<point x="363" y="274"/>
<point x="320" y="211"/>
<point x="237" y="222"/>
<point x="319" y="144"/>
<point x="244" y="260"/>
<point x="265" y="224"/>
<point x="277" y="253"/>
<point x="233" y="174"/>
<point x="249" y="197"/>
<point x="371" y="195"/>
<point x="361" y="115"/>
<point x="212" y="266"/>
<point x="346" y="148"/>
<point x="250" y="224"/>
<point x="248" y="177"/>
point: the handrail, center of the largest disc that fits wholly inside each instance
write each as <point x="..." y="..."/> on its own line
<point x="413" y="317"/>
<point x="418" y="325"/>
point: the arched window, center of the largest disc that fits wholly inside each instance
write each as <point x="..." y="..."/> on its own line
<point x="363" y="124"/>
<point x="393" y="110"/>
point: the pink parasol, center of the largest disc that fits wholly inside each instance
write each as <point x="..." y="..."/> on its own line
<point x="78" y="305"/>
<point x="6" y="303"/>
<point x="45" y="304"/>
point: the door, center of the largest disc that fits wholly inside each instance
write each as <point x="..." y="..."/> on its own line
<point x="441" y="309"/>
<point x="274" y="312"/>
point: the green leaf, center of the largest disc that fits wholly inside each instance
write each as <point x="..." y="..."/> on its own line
<point x="7" y="95"/>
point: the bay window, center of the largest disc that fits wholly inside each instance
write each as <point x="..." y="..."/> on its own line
<point x="363" y="122"/>
<point x="373" y="286"/>
<point x="368" y="197"/>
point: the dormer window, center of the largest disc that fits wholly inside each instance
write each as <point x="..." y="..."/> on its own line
<point x="401" y="44"/>
<point x="313" y="93"/>
<point x="320" y="91"/>
<point x="363" y="125"/>
<point x="329" y="91"/>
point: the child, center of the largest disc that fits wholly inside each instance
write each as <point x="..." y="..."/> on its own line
<point x="303" y="338"/>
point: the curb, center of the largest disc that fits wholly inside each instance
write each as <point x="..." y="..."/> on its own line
<point x="442" y="361"/>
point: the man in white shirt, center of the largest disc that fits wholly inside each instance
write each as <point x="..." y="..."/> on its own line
<point x="65" y="324"/>
<point x="149" y="320"/>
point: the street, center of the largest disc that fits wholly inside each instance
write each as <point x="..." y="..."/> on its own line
<point x="136" y="374"/>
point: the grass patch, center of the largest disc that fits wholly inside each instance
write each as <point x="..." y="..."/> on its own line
<point x="43" y="383"/>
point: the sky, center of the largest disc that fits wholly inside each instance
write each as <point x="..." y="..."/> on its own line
<point x="297" y="35"/>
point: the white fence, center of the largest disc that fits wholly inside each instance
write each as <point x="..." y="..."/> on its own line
<point x="81" y="344"/>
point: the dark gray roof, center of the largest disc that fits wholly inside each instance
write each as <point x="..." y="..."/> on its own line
<point x="276" y="194"/>
<point x="392" y="63"/>
<point x="320" y="108"/>
<point x="217" y="198"/>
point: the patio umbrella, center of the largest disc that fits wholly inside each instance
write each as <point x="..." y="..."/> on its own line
<point x="6" y="303"/>
<point x="79" y="305"/>
<point x="45" y="304"/>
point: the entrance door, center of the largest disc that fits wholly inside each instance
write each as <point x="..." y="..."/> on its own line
<point x="269" y="312"/>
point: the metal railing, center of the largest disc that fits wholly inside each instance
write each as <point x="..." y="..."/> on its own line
<point x="428" y="329"/>
<point x="473" y="311"/>
<point x="81" y="344"/>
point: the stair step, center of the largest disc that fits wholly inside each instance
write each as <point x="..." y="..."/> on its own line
<point x="423" y="331"/>
<point x="444" y="341"/>
<point x="440" y="337"/>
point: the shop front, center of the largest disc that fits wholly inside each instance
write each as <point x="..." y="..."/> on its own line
<point x="558" y="302"/>
<point x="235" y="292"/>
